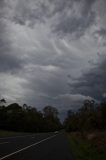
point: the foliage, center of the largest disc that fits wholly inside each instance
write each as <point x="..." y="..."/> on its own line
<point x="28" y="119"/>
<point x="84" y="149"/>
<point x="89" y="117"/>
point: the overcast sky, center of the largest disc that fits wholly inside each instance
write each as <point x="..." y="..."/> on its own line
<point x="52" y="52"/>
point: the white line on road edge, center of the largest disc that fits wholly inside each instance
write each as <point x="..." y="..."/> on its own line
<point x="34" y="144"/>
<point x="4" y="143"/>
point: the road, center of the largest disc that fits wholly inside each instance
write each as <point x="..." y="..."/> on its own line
<point x="40" y="146"/>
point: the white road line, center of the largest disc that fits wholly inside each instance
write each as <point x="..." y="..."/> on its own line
<point x="34" y="144"/>
<point x="4" y="142"/>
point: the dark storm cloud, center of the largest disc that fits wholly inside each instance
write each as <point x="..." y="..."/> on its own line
<point x="71" y="23"/>
<point x="9" y="62"/>
<point x="93" y="83"/>
<point x="63" y="15"/>
<point x="101" y="32"/>
<point x="104" y="44"/>
<point x="30" y="47"/>
<point x="32" y="12"/>
<point x="1" y="3"/>
<point x="46" y="81"/>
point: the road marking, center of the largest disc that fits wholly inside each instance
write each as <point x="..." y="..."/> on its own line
<point x="4" y="142"/>
<point x="34" y="144"/>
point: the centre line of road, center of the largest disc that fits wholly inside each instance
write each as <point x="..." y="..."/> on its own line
<point x="4" y="143"/>
<point x="25" y="148"/>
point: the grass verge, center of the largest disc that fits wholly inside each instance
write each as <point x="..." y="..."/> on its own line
<point x="84" y="149"/>
<point x="7" y="133"/>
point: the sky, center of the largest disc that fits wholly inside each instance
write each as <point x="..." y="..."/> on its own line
<point x="52" y="52"/>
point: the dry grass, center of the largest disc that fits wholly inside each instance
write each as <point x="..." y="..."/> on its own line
<point x="99" y="139"/>
<point x="88" y="146"/>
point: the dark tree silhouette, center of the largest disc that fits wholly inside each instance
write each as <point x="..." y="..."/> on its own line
<point x="89" y="117"/>
<point x="27" y="119"/>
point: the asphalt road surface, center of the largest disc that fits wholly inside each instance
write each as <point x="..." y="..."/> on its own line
<point x="41" y="146"/>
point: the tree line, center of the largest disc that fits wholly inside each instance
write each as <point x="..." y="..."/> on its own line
<point x="90" y="116"/>
<point x="28" y="119"/>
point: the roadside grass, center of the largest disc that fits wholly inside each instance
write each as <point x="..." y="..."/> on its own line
<point x="84" y="149"/>
<point x="7" y="133"/>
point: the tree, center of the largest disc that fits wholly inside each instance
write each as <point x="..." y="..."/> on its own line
<point x="2" y="102"/>
<point x="51" y="120"/>
<point x="88" y="117"/>
<point x="28" y="119"/>
<point x="49" y="111"/>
